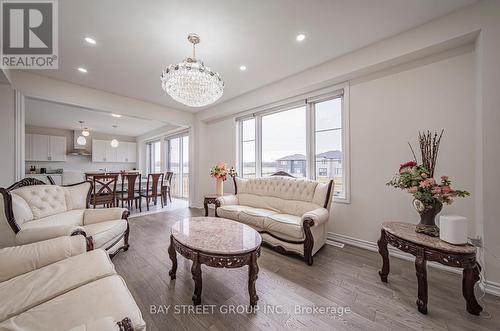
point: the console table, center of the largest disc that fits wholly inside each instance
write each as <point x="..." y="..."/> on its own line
<point x="426" y="248"/>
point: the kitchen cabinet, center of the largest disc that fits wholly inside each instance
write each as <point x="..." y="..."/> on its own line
<point x="110" y="152"/>
<point x="126" y="152"/>
<point x="132" y="152"/>
<point x="122" y="152"/>
<point x="57" y="148"/>
<point x="39" y="147"/>
<point x="28" y="149"/>
<point x="98" y="150"/>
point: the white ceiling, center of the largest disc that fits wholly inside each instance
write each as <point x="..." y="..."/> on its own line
<point x="61" y="116"/>
<point x="137" y="39"/>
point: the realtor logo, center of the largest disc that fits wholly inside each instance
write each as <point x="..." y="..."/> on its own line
<point x="29" y="34"/>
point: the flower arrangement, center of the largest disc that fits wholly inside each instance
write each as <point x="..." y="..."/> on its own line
<point x="219" y="171"/>
<point x="418" y="179"/>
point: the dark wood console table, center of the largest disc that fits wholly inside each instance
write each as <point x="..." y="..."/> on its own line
<point x="426" y="248"/>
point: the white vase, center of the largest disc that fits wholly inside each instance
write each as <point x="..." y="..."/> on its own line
<point x="219" y="187"/>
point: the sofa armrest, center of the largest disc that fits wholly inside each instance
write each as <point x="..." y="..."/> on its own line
<point x="31" y="235"/>
<point x="92" y="216"/>
<point x="318" y="216"/>
<point x="18" y="260"/>
<point x="227" y="200"/>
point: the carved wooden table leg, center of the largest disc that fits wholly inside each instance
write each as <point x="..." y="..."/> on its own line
<point x="382" y="249"/>
<point x="253" y="270"/>
<point x="173" y="257"/>
<point x="196" y="272"/>
<point x="205" y="205"/>
<point x="470" y="277"/>
<point x="421" y="267"/>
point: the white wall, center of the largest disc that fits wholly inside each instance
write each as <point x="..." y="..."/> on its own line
<point x="7" y="125"/>
<point x="479" y="23"/>
<point x="387" y="112"/>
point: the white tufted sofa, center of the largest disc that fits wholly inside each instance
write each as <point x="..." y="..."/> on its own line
<point x="290" y="214"/>
<point x="56" y="285"/>
<point x="35" y="212"/>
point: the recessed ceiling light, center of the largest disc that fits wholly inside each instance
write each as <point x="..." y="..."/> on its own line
<point x="300" y="37"/>
<point x="116" y="115"/>
<point x="90" y="40"/>
<point x="243" y="68"/>
<point x="82" y="70"/>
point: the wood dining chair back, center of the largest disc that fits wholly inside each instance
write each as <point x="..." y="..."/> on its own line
<point x="166" y="188"/>
<point x="128" y="191"/>
<point x="104" y="190"/>
<point x="153" y="188"/>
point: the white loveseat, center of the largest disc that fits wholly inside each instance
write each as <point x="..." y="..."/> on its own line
<point x="56" y="285"/>
<point x="31" y="211"/>
<point x="291" y="214"/>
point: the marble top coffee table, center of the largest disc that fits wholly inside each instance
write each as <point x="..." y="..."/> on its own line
<point x="218" y="243"/>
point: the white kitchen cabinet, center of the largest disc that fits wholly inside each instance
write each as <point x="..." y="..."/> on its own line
<point x="132" y="152"/>
<point x="103" y="152"/>
<point x="99" y="150"/>
<point x="110" y="152"/>
<point x="57" y="148"/>
<point x="122" y="152"/>
<point x="40" y="147"/>
<point x="28" y="149"/>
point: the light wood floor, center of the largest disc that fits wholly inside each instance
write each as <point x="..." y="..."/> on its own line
<point x="344" y="277"/>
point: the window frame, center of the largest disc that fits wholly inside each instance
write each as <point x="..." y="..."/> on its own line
<point x="149" y="155"/>
<point x="308" y="100"/>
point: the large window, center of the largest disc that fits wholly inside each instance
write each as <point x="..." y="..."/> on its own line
<point x="307" y="139"/>
<point x="247" y="147"/>
<point x="153" y="156"/>
<point x="328" y="142"/>
<point x="284" y="142"/>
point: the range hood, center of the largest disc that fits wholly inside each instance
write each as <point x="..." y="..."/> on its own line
<point x="80" y="149"/>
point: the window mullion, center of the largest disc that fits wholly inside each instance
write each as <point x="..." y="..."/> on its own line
<point x="258" y="146"/>
<point x="310" y="155"/>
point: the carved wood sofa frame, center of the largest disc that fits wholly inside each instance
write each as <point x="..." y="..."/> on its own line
<point x="9" y="213"/>
<point x="308" y="241"/>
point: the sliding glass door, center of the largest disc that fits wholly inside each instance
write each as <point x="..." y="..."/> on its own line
<point x="153" y="155"/>
<point x="178" y="163"/>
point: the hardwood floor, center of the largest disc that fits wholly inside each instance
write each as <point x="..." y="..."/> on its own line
<point x="340" y="278"/>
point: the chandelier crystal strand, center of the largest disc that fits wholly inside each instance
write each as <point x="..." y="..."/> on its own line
<point x="190" y="82"/>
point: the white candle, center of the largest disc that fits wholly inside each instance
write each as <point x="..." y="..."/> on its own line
<point x="453" y="229"/>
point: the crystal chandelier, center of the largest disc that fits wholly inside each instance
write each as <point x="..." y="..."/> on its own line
<point x="190" y="82"/>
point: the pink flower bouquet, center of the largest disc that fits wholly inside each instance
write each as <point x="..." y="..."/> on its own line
<point x="219" y="171"/>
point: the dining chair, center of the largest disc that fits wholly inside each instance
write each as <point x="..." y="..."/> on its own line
<point x="128" y="192"/>
<point x="103" y="190"/>
<point x="153" y="189"/>
<point x="165" y="189"/>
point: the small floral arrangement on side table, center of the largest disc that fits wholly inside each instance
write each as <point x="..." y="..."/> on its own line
<point x="418" y="180"/>
<point x="219" y="172"/>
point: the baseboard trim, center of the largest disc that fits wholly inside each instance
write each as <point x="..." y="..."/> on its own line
<point x="371" y="246"/>
<point x="489" y="287"/>
<point x="334" y="239"/>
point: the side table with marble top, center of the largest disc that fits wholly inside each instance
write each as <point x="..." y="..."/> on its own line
<point x="426" y="248"/>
